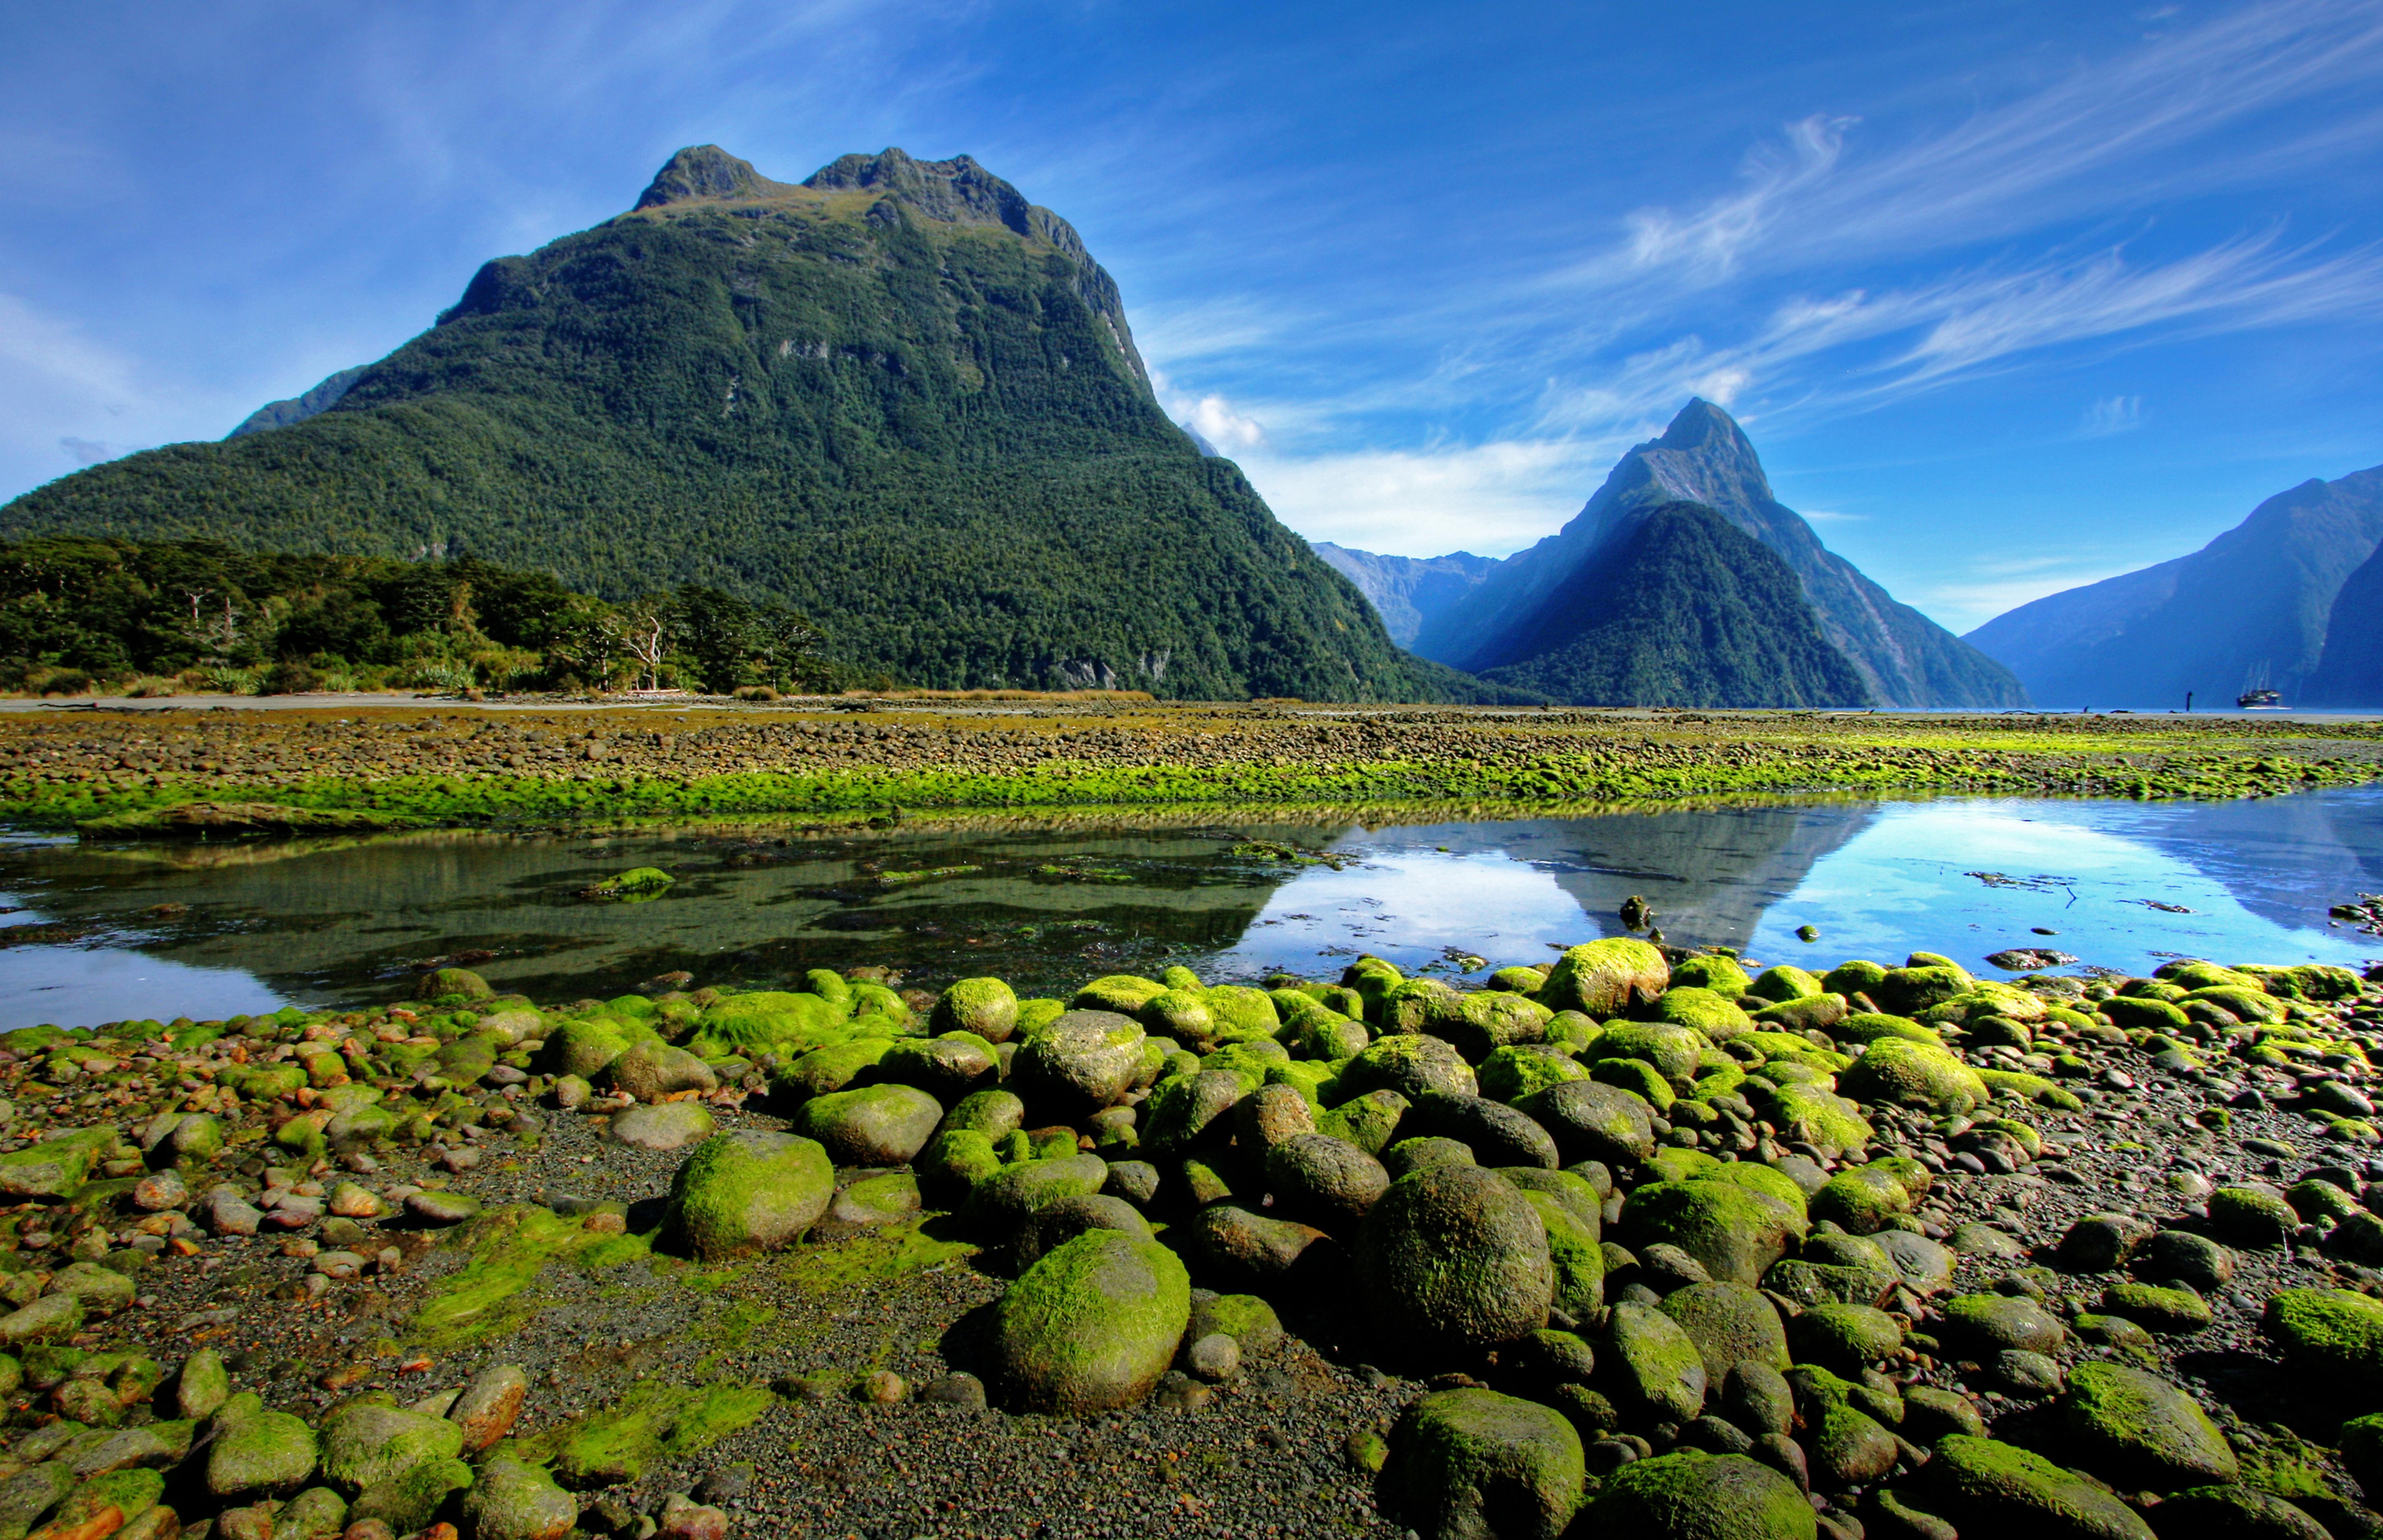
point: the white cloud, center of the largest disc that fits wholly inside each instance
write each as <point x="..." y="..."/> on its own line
<point x="1821" y="516"/>
<point x="2111" y="414"/>
<point x="1488" y="499"/>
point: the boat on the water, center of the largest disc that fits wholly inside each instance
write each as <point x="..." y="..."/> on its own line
<point x="2258" y="695"/>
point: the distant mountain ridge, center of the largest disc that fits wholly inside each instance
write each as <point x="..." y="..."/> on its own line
<point x="1406" y="590"/>
<point x="1900" y="657"/>
<point x="2259" y="601"/>
<point x="896" y="396"/>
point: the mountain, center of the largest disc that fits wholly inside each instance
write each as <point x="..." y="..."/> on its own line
<point x="1681" y="607"/>
<point x="2350" y="673"/>
<point x="297" y="409"/>
<point x="2254" y="602"/>
<point x="1407" y="591"/>
<point x="1902" y="657"/>
<point x="898" y="397"/>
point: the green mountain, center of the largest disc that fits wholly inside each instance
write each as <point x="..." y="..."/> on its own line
<point x="898" y="398"/>
<point x="1904" y="658"/>
<point x="1679" y="607"/>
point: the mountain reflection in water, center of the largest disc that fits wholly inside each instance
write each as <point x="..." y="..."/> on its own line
<point x="1050" y="902"/>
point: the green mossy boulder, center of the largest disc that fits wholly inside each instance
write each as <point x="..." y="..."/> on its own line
<point x="2251" y="1214"/>
<point x="2235" y="1513"/>
<point x="1809" y="1113"/>
<point x="1573" y="1250"/>
<point x="2138" y="1432"/>
<point x="1908" y="1074"/>
<point x="745" y="1193"/>
<point x="1990" y="1324"/>
<point x="1410" y="1064"/>
<point x="1650" y="1367"/>
<point x="1326" y="1182"/>
<point x="1707" y="1013"/>
<point x="949" y="1068"/>
<point x="2002" y="1492"/>
<point x="1083" y="1061"/>
<point x="1783" y="983"/>
<point x="875" y="1125"/>
<point x="1694" y="1496"/>
<point x="511" y="1499"/>
<point x="985" y="1007"/>
<point x="1453" y="1259"/>
<point x="54" y="1168"/>
<point x="366" y="1445"/>
<point x="1093" y="1325"/>
<point x="997" y="1204"/>
<point x="1736" y="1231"/>
<point x="1509" y="1074"/>
<point x="2334" y="1336"/>
<point x="1729" y="1323"/>
<point x="833" y="1069"/>
<point x="1844" y="1338"/>
<point x="1674" y="1050"/>
<point x="1471" y="1463"/>
<point x="257" y="1452"/>
<point x="1187" y="1111"/>
<point x="1713" y="972"/>
<point x="1591" y="1120"/>
<point x="1370" y="1122"/>
<point x="1606" y="978"/>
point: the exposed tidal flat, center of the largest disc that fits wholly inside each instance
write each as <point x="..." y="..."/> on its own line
<point x="457" y="765"/>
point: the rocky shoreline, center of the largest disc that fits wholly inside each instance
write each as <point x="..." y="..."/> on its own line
<point x="394" y="767"/>
<point x="1647" y="1243"/>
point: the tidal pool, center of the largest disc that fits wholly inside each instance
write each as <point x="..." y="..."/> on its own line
<point x="100" y="932"/>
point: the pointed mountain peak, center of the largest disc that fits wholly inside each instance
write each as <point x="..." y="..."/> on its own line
<point x="1700" y="424"/>
<point x="706" y="171"/>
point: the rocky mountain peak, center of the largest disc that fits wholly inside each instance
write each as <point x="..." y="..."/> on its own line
<point x="957" y="190"/>
<point x="1705" y="457"/>
<point x="706" y="171"/>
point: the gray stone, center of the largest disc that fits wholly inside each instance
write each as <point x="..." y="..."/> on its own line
<point x="668" y="1126"/>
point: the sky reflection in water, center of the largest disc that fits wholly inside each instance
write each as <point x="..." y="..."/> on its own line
<point x="345" y="922"/>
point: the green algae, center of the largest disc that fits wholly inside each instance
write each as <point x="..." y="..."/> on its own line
<point x="655" y="1421"/>
<point x="509" y="1248"/>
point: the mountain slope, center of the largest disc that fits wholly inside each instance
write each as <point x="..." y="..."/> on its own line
<point x="2254" y="600"/>
<point x="2350" y="675"/>
<point x="297" y="409"/>
<point x="898" y="397"/>
<point x="1681" y="607"/>
<point x="1407" y="591"/>
<point x="1904" y="658"/>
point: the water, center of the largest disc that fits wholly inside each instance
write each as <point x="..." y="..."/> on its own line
<point x="1050" y="903"/>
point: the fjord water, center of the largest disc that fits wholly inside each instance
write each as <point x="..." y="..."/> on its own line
<point x="1050" y="903"/>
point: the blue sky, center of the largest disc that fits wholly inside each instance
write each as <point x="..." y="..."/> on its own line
<point x="2011" y="294"/>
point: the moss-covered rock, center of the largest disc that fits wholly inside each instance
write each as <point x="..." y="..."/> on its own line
<point x="1638" y="1078"/>
<point x="1451" y="1259"/>
<point x="1605" y="979"/>
<point x="1784" y="983"/>
<point x="949" y="1069"/>
<point x="831" y="1068"/>
<point x="1909" y="1074"/>
<point x="1470" y="1463"/>
<point x="1693" y="1495"/>
<point x="1863" y="1201"/>
<point x="1707" y="1013"/>
<point x="985" y="1007"/>
<point x="54" y="1168"/>
<point x="747" y="1192"/>
<point x="365" y="1445"/>
<point x="256" y="1451"/>
<point x="1091" y="1325"/>
<point x="1238" y="1248"/>
<point x="1181" y="1015"/>
<point x="882" y="1125"/>
<point x="1509" y="1074"/>
<point x="512" y="1500"/>
<point x="1729" y="1323"/>
<point x="1593" y="1121"/>
<point x="1081" y="1063"/>
<point x="1996" y="1322"/>
<point x="1673" y="1049"/>
<point x="2235" y="1513"/>
<point x="998" y="1203"/>
<point x="2167" y="1310"/>
<point x="1497" y="1134"/>
<point x="1736" y="1231"/>
<point x="1845" y="1337"/>
<point x="1573" y="1250"/>
<point x="1479" y="1024"/>
<point x="1423" y="1152"/>
<point x="1650" y="1366"/>
<point x="1410" y="1064"/>
<point x="2003" y="1492"/>
<point x="2251" y="1214"/>
<point x="2140" y="1433"/>
<point x="2333" y="1334"/>
<point x="1809" y="1113"/>
<point x="1324" y="1181"/>
<point x="1914" y="988"/>
<point x="1370" y="1122"/>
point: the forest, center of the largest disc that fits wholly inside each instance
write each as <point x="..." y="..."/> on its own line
<point x="161" y="617"/>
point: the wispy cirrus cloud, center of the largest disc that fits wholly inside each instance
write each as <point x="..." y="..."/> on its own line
<point x="2111" y="414"/>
